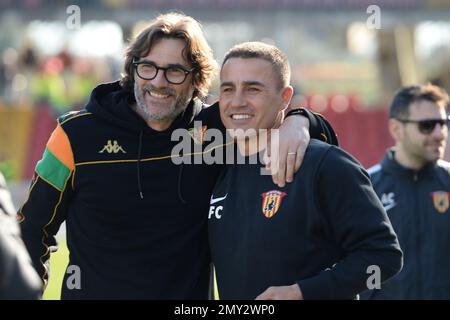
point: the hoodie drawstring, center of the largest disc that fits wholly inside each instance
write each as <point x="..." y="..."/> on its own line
<point x="141" y="194"/>
<point x="180" y="176"/>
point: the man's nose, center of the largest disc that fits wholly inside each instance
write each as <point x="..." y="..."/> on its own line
<point x="440" y="131"/>
<point x="159" y="81"/>
<point x="238" y="99"/>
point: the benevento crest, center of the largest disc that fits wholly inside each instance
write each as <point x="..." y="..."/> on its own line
<point x="271" y="202"/>
<point x="440" y="200"/>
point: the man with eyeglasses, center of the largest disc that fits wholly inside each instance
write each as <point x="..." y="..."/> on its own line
<point x="413" y="183"/>
<point x="136" y="221"/>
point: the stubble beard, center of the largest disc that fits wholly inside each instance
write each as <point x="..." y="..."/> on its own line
<point x="172" y="111"/>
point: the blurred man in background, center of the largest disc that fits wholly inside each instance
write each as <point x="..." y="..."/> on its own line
<point x="136" y="222"/>
<point x="413" y="184"/>
<point x="18" y="279"/>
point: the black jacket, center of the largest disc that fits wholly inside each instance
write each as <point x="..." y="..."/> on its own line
<point x="322" y="231"/>
<point x="18" y="279"/>
<point x="136" y="222"/>
<point x="417" y="203"/>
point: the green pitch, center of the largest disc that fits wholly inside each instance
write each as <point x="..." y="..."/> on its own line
<point x="58" y="265"/>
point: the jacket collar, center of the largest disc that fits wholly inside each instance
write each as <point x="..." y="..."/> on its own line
<point x="391" y="165"/>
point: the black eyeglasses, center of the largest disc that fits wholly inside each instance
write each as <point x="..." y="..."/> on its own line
<point x="148" y="70"/>
<point x="427" y="126"/>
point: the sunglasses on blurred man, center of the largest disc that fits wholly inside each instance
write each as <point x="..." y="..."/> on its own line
<point x="427" y="126"/>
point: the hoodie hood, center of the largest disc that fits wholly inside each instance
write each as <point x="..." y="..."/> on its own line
<point x="112" y="103"/>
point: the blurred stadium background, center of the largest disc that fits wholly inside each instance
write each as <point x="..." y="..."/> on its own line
<point x="341" y="66"/>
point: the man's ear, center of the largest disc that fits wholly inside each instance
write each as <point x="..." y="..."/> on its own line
<point x="286" y="96"/>
<point x="395" y="129"/>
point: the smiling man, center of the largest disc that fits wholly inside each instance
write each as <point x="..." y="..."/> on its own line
<point x="413" y="182"/>
<point x="136" y="221"/>
<point x="315" y="238"/>
<point x="156" y="102"/>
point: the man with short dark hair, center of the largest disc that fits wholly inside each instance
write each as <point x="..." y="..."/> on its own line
<point x="413" y="183"/>
<point x="318" y="237"/>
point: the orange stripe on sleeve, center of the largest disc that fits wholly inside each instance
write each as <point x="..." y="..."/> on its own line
<point x="59" y="145"/>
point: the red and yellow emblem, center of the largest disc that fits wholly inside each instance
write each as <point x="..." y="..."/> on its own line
<point x="440" y="200"/>
<point x="271" y="202"/>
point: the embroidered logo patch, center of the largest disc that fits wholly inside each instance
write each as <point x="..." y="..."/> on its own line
<point x="112" y="147"/>
<point x="440" y="200"/>
<point x="271" y="202"/>
<point x="388" y="200"/>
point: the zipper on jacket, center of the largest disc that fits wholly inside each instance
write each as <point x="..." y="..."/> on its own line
<point x="418" y="223"/>
<point x="180" y="178"/>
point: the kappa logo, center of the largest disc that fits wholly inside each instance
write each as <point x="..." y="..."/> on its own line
<point x="271" y="202"/>
<point x="112" y="147"/>
<point x="388" y="201"/>
<point x="440" y="200"/>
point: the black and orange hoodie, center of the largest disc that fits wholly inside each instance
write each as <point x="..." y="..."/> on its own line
<point x="136" y="222"/>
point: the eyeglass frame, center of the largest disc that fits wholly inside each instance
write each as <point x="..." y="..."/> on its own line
<point x="421" y="123"/>
<point x="186" y="71"/>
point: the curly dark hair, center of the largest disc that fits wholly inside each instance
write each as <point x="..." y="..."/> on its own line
<point x="196" y="51"/>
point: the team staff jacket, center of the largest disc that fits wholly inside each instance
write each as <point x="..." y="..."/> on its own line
<point x="417" y="203"/>
<point x="136" y="221"/>
<point x="326" y="231"/>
